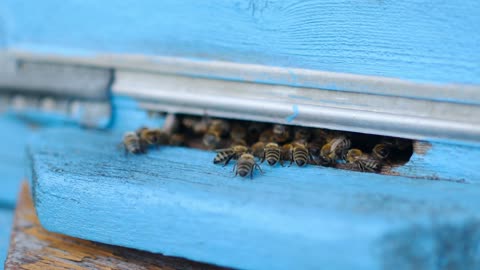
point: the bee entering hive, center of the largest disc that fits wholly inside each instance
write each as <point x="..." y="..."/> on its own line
<point x="250" y="144"/>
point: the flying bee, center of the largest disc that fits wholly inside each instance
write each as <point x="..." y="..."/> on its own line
<point x="149" y="137"/>
<point x="381" y="151"/>
<point x="338" y="147"/>
<point x="238" y="132"/>
<point x="254" y="130"/>
<point x="363" y="162"/>
<point x="225" y="155"/>
<point x="296" y="152"/>
<point x="302" y="134"/>
<point x="216" y="130"/>
<point x="258" y="150"/>
<point x="272" y="153"/>
<point x="177" y="139"/>
<point x="132" y="144"/>
<point x="245" y="165"/>
<point x="281" y="133"/>
<point x="266" y="136"/>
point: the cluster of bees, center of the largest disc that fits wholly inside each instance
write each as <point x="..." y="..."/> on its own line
<point x="251" y="143"/>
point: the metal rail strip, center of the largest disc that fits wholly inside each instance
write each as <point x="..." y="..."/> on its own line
<point x="367" y="104"/>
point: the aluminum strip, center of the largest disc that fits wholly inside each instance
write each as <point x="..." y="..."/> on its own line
<point x="367" y="113"/>
<point x="295" y="77"/>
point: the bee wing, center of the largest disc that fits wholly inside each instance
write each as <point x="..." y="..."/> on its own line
<point x="223" y="150"/>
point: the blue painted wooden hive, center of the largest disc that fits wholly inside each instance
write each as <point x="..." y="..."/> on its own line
<point x="72" y="83"/>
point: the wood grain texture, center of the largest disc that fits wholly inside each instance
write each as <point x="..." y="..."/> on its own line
<point x="175" y="201"/>
<point x="6" y="218"/>
<point x="35" y="248"/>
<point x="421" y="41"/>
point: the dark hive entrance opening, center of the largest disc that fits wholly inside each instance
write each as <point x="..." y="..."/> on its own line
<point x="278" y="144"/>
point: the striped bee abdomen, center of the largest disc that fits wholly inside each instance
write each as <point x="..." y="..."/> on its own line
<point x="272" y="153"/>
<point x="300" y="155"/>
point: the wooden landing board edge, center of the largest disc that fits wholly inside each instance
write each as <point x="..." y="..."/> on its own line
<point x="289" y="217"/>
<point x="35" y="248"/>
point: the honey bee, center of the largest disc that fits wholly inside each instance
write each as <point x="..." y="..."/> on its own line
<point x="238" y="132"/>
<point x="216" y="130"/>
<point x="132" y="144"/>
<point x="363" y="162"/>
<point x="225" y="155"/>
<point x="337" y="147"/>
<point x="254" y="130"/>
<point x="258" y="150"/>
<point x="281" y="133"/>
<point x="326" y="158"/>
<point x="302" y="134"/>
<point x="296" y="152"/>
<point x="381" y="151"/>
<point x="196" y="125"/>
<point x="245" y="165"/>
<point x="266" y="136"/>
<point x="152" y="137"/>
<point x="314" y="148"/>
<point x="272" y="153"/>
<point x="177" y="139"/>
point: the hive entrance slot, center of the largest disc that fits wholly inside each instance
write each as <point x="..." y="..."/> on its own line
<point x="286" y="145"/>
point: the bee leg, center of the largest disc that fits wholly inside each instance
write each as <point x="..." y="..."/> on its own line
<point x="251" y="173"/>
<point x="259" y="168"/>
<point x="228" y="160"/>
<point x="281" y="163"/>
<point x="234" y="166"/>
<point x="263" y="158"/>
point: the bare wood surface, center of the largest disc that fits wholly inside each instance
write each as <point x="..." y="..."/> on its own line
<point x="32" y="247"/>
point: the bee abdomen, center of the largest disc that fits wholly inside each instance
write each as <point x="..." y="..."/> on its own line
<point x="272" y="156"/>
<point x="370" y="165"/>
<point x="300" y="156"/>
<point x="244" y="169"/>
<point x="222" y="156"/>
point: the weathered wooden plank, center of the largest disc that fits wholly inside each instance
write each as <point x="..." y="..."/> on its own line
<point x="175" y="201"/>
<point x="421" y="41"/>
<point x="6" y="218"/>
<point x="35" y="248"/>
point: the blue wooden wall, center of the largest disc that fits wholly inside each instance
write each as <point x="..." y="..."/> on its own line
<point x="429" y="40"/>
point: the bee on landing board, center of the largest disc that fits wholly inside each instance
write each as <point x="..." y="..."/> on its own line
<point x="258" y="150"/>
<point x="281" y="133"/>
<point x="216" y="130"/>
<point x="225" y="155"/>
<point x="363" y="162"/>
<point x="272" y="153"/>
<point x="132" y="144"/>
<point x="245" y="166"/>
<point x="152" y="137"/>
<point x="296" y="152"/>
